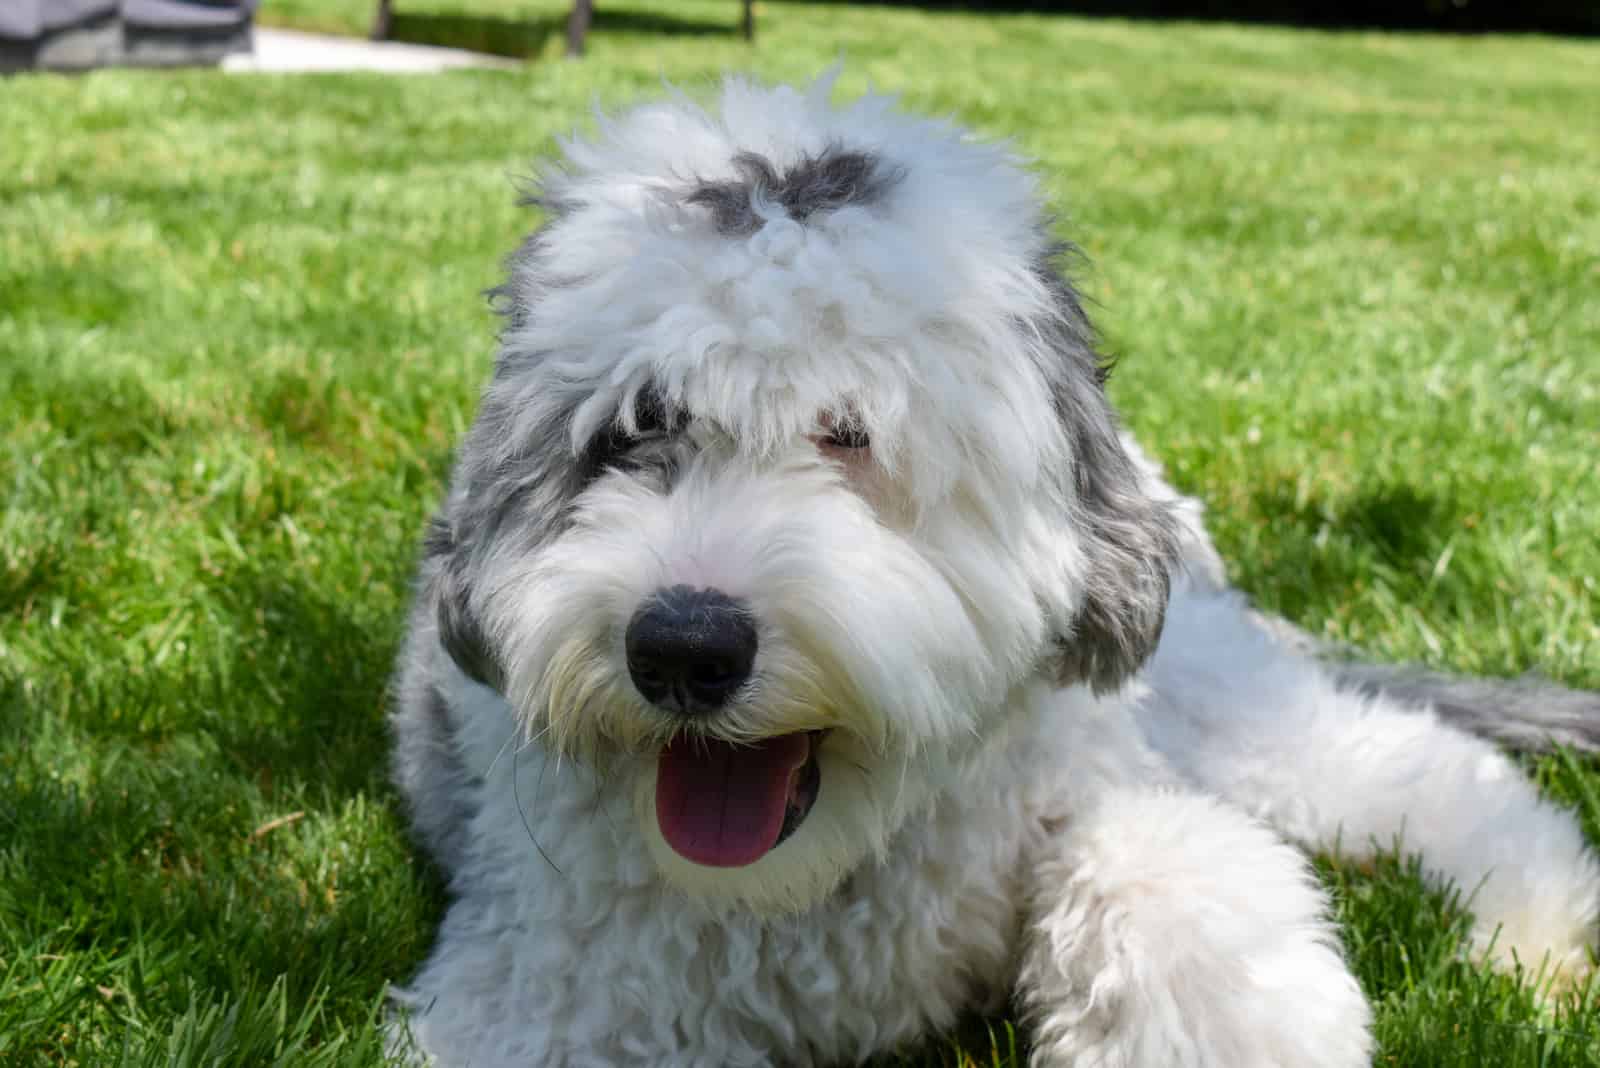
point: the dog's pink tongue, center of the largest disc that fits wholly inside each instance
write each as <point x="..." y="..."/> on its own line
<point x="721" y="804"/>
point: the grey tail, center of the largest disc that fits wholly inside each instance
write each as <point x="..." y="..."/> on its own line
<point x="1528" y="714"/>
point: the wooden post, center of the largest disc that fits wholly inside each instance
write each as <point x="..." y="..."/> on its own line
<point x="385" y="17"/>
<point x="749" y="20"/>
<point x="578" y="26"/>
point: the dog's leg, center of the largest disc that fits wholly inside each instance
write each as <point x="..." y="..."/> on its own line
<point x="1270" y="729"/>
<point x="1168" y="928"/>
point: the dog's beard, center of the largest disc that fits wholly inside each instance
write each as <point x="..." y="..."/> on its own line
<point x="767" y="806"/>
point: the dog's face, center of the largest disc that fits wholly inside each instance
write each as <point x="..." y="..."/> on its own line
<point x="795" y="469"/>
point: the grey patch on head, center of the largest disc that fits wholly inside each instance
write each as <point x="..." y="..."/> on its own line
<point x="830" y="180"/>
<point x="516" y="474"/>
<point x="514" y="483"/>
<point x="1130" y="539"/>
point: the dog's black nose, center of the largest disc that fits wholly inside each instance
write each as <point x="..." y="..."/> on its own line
<point x="689" y="650"/>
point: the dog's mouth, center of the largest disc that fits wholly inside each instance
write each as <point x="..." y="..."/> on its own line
<point x="726" y="805"/>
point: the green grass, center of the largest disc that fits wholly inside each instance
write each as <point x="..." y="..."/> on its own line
<point x="1353" y="280"/>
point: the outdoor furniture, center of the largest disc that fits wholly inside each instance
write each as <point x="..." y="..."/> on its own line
<point x="577" y="23"/>
<point x="84" y="34"/>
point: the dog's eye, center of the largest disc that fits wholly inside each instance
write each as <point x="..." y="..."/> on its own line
<point x="850" y="436"/>
<point x="611" y="446"/>
<point x="649" y="414"/>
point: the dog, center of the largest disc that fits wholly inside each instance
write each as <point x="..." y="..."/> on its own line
<point x="803" y="656"/>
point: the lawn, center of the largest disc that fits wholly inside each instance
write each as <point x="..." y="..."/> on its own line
<point x="1352" y="280"/>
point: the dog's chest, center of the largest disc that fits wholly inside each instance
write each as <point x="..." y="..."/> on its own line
<point x="586" y="947"/>
<point x="904" y="947"/>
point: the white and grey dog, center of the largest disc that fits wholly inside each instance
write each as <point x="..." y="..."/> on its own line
<point x="803" y="657"/>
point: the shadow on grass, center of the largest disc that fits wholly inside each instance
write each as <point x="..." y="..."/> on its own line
<point x="1404" y="525"/>
<point x="154" y="839"/>
<point x="314" y="688"/>
<point x="1324" y="550"/>
<point x="489" y="34"/>
<point x="1539" y="16"/>
<point x="616" y="21"/>
<point x="527" y="38"/>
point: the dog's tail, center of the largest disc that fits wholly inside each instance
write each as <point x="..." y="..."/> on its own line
<point x="1528" y="714"/>
<point x="1353" y="759"/>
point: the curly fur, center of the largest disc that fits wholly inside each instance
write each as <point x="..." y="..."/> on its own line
<point x="1064" y="763"/>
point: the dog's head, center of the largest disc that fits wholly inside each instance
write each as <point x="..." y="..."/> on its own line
<point x="796" y="470"/>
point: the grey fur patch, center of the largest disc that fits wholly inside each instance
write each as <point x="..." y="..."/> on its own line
<point x="652" y="417"/>
<point x="827" y="181"/>
<point x="513" y="306"/>
<point x="515" y="483"/>
<point x="436" y="541"/>
<point x="462" y="636"/>
<point x="1130" y="538"/>
<point x="1527" y="714"/>
<point x="460" y="631"/>
<point x="430" y="773"/>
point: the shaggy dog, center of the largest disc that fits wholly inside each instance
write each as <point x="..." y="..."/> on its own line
<point x="803" y="658"/>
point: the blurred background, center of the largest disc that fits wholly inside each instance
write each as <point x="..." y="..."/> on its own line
<point x="81" y="34"/>
<point x="1345" y="253"/>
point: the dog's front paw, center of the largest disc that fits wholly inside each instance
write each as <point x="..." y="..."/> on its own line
<point x="1170" y="930"/>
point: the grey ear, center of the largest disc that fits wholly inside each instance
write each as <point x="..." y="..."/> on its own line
<point x="507" y="460"/>
<point x="1131" y="544"/>
<point x="514" y="475"/>
<point x="1130" y="539"/>
<point x="461" y="633"/>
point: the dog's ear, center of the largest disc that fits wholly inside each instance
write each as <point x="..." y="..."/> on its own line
<point x="508" y="459"/>
<point x="515" y="472"/>
<point x="461" y="632"/>
<point x="1129" y="539"/>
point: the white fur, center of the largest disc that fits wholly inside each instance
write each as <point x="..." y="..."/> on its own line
<point x="1339" y="772"/>
<point x="1118" y="863"/>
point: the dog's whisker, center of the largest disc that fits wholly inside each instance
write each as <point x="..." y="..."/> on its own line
<point x="535" y="738"/>
<point x="517" y="800"/>
<point x="901" y="779"/>
<point x="510" y="743"/>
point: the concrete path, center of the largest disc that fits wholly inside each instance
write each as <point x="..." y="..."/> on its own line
<point x="291" y="50"/>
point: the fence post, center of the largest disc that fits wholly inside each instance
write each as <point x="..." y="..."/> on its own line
<point x="578" y="26"/>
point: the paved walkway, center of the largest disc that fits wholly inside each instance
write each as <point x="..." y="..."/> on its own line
<point x="291" y="50"/>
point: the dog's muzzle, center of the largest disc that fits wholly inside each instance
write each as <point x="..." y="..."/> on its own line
<point x="718" y="803"/>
